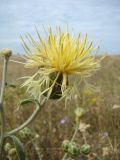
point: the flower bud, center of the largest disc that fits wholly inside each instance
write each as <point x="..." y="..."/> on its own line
<point x="74" y="149"/>
<point x="7" y="147"/>
<point x="65" y="145"/>
<point x="6" y="53"/>
<point x="86" y="149"/>
<point x="25" y="134"/>
<point x="79" y="112"/>
<point x="12" y="152"/>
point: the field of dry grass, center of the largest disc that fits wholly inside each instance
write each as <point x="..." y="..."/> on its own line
<point x="103" y="115"/>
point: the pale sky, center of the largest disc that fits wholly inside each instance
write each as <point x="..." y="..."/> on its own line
<point x="99" y="18"/>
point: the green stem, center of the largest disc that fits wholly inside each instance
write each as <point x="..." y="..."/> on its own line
<point x="2" y="112"/>
<point x="30" y="119"/>
<point x="72" y="139"/>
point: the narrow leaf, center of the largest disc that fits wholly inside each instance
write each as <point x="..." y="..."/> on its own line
<point x="19" y="147"/>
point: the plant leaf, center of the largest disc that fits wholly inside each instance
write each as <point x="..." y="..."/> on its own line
<point x="19" y="147"/>
<point x="26" y="101"/>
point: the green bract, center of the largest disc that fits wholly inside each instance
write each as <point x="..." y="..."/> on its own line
<point x="12" y="152"/>
<point x="25" y="134"/>
<point x="79" y="112"/>
<point x="73" y="149"/>
<point x="86" y="149"/>
<point x="7" y="147"/>
<point x="65" y="145"/>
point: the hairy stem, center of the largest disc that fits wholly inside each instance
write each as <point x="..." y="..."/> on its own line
<point x="2" y="112"/>
<point x="30" y="119"/>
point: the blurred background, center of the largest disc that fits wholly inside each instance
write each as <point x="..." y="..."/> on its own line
<point x="101" y="20"/>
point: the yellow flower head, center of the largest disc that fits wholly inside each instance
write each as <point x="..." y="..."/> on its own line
<point x="56" y="58"/>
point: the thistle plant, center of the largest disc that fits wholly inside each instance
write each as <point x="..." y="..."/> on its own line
<point x="57" y="58"/>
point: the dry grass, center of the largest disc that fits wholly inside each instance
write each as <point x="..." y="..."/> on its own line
<point x="100" y="114"/>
